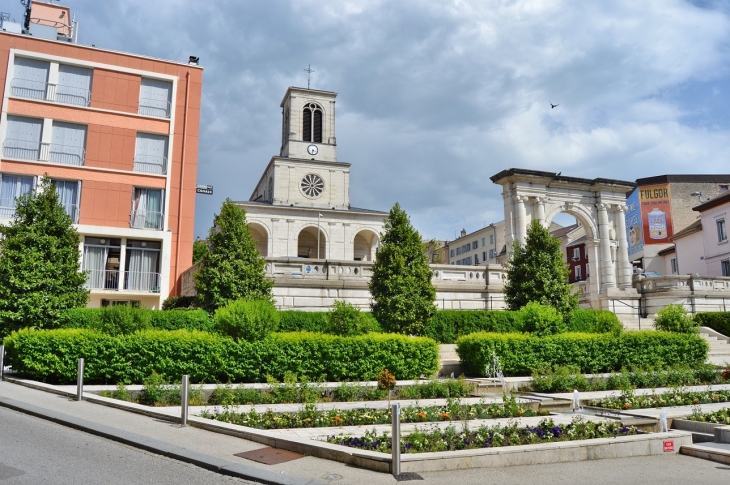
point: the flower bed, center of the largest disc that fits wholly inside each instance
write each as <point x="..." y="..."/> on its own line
<point x="310" y="417"/>
<point x="425" y="441"/>
<point x="722" y="416"/>
<point x="627" y="400"/>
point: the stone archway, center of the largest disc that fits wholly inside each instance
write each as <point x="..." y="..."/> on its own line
<point x="261" y="236"/>
<point x="364" y="245"/>
<point x="599" y="204"/>
<point x="307" y="243"/>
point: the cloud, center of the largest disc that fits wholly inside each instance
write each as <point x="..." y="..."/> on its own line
<point x="435" y="97"/>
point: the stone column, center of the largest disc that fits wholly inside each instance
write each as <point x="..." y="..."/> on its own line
<point x="608" y="279"/>
<point x="622" y="253"/>
<point x="540" y="205"/>
<point x="520" y="219"/>
<point x="594" y="280"/>
<point x="509" y="228"/>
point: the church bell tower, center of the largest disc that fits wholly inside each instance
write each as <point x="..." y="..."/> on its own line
<point x="308" y="125"/>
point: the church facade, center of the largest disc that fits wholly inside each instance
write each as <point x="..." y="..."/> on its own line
<point x="300" y="207"/>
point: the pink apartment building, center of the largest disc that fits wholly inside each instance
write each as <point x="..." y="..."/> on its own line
<point x="118" y="135"/>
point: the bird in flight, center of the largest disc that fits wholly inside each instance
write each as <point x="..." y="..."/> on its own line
<point x="553" y="106"/>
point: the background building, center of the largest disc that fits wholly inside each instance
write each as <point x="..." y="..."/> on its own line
<point x="118" y="135"/>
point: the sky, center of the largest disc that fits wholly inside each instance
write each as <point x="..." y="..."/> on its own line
<point x="435" y="97"/>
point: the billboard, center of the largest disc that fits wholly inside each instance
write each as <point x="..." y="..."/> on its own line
<point x="656" y="214"/>
<point x="634" y="231"/>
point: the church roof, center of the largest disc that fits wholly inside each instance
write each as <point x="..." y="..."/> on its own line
<point x="351" y="209"/>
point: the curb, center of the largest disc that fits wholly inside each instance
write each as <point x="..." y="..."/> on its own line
<point x="168" y="450"/>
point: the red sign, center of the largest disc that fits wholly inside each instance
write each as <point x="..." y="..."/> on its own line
<point x="656" y="214"/>
<point x="668" y="446"/>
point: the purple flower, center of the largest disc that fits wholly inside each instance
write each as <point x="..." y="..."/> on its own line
<point x="557" y="431"/>
<point x="408" y="446"/>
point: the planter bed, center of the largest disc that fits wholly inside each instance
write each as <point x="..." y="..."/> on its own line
<point x="627" y="400"/>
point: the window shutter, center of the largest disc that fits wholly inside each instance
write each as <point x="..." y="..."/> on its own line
<point x="317" y="126"/>
<point x="307" y="125"/>
<point x="74" y="85"/>
<point x="154" y="97"/>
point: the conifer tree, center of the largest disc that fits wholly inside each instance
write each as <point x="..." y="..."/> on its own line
<point x="401" y="287"/>
<point x="40" y="274"/>
<point x="232" y="268"/>
<point x="537" y="272"/>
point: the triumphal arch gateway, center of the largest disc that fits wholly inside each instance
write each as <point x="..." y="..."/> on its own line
<point x="598" y="204"/>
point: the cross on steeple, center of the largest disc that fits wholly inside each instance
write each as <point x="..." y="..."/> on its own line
<point x="309" y="72"/>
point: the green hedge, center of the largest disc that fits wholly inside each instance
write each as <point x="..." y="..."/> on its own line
<point x="52" y="355"/>
<point x="299" y="321"/>
<point x="126" y="319"/>
<point x="447" y="326"/>
<point x="520" y="354"/>
<point x="594" y="321"/>
<point x="718" y="321"/>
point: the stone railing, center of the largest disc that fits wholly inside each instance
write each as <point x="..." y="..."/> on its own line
<point x="682" y="283"/>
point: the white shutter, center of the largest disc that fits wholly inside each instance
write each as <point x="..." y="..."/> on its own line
<point x="74" y="85"/>
<point x="29" y="78"/>
<point x="154" y="97"/>
<point x="68" y="142"/>
<point x="151" y="153"/>
<point x="23" y="138"/>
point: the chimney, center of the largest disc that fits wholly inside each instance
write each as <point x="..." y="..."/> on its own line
<point x="463" y="232"/>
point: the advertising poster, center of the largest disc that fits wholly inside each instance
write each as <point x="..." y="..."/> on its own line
<point x="656" y="214"/>
<point x="634" y="232"/>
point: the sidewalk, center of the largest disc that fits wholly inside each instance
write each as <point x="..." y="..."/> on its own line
<point x="194" y="445"/>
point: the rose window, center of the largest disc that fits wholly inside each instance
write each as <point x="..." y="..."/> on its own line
<point x="312" y="185"/>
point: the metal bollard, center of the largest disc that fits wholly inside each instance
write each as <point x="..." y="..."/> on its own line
<point x="2" y="361"/>
<point x="184" y="401"/>
<point x="395" y="467"/>
<point x="80" y="381"/>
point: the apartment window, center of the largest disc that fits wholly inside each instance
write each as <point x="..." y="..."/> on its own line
<point x="484" y="241"/>
<point x="30" y="78"/>
<point x="576" y="254"/>
<point x="142" y="271"/>
<point x="578" y="275"/>
<point x="721" y="230"/>
<point x="476" y="259"/>
<point x="154" y="98"/>
<point x="132" y="303"/>
<point x="491" y="254"/>
<point x="23" y="138"/>
<point x="452" y="253"/>
<point x="312" y="123"/>
<point x="484" y="255"/>
<point x="147" y="209"/>
<point x="74" y="85"/>
<point x="458" y="251"/>
<point x="68" y="144"/>
<point x="101" y="263"/>
<point x="475" y="245"/>
<point x="69" y="194"/>
<point x="12" y="187"/>
<point x="491" y="239"/>
<point x="151" y="153"/>
<point x="725" y="266"/>
<point x="675" y="269"/>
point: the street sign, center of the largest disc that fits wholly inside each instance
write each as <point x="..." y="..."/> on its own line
<point x="204" y="189"/>
<point x="668" y="446"/>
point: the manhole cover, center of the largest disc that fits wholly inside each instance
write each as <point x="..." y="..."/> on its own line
<point x="269" y="456"/>
<point x="331" y="477"/>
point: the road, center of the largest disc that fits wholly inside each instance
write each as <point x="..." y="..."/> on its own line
<point x="34" y="451"/>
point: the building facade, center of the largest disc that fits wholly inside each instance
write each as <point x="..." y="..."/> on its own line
<point x="480" y="247"/>
<point x="300" y="208"/>
<point x="576" y="254"/>
<point x="714" y="217"/>
<point x="117" y="134"/>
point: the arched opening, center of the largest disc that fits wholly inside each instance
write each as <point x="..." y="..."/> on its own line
<point x="364" y="245"/>
<point x="571" y="233"/>
<point x="260" y="235"/>
<point x="312" y="123"/>
<point x="307" y="244"/>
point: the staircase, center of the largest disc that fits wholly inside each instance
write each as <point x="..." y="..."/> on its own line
<point x="719" y="346"/>
<point x="632" y="322"/>
<point x="450" y="362"/>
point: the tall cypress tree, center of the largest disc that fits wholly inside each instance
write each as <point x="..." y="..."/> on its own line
<point x="232" y="268"/>
<point x="401" y="287"/>
<point x="40" y="273"/>
<point x="537" y="272"/>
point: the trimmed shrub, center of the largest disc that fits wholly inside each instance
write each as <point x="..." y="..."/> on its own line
<point x="247" y="319"/>
<point x="126" y="319"/>
<point x="345" y="320"/>
<point x="447" y="326"/>
<point x="674" y="318"/>
<point x="718" y="321"/>
<point x="542" y="320"/>
<point x="51" y="355"/>
<point x="175" y="302"/>
<point x="520" y="355"/>
<point x="299" y="321"/>
<point x="594" y="321"/>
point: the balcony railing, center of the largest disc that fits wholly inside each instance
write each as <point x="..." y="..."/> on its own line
<point x="26" y="88"/>
<point x="147" y="220"/>
<point x="102" y="279"/>
<point x="150" y="164"/>
<point x="139" y="281"/>
<point x="25" y="150"/>
<point x="7" y="208"/>
<point x="154" y="107"/>
<point x="67" y="155"/>
<point x="73" y="212"/>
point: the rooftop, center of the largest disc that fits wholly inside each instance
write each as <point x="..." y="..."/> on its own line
<point x="558" y="177"/>
<point x="695" y="178"/>
<point x="720" y="199"/>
